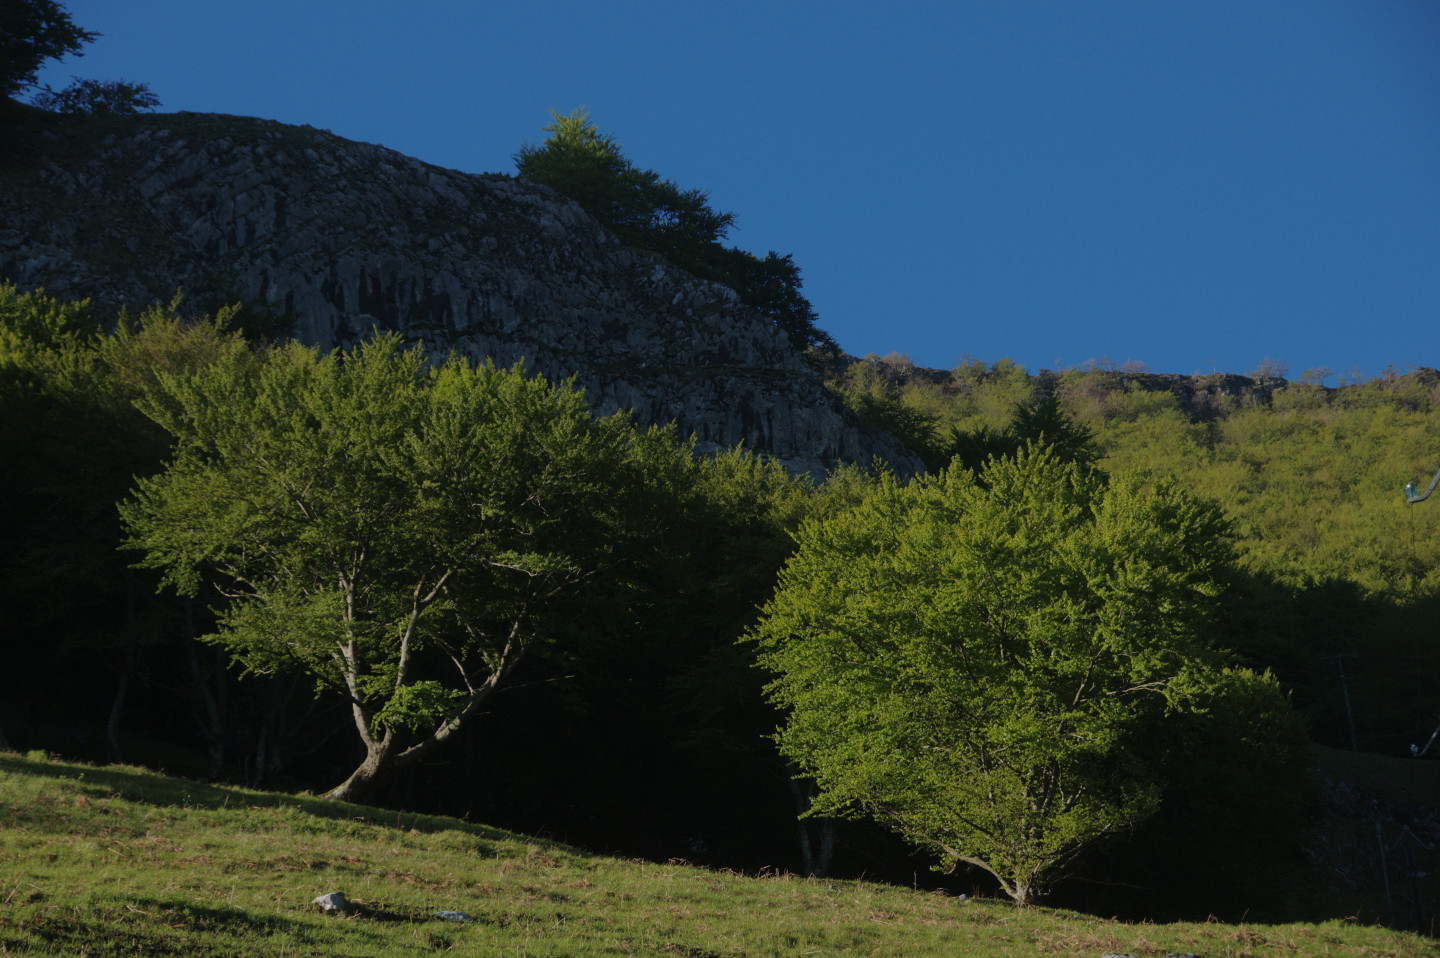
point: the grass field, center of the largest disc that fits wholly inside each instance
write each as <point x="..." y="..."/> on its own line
<point x="121" y="861"/>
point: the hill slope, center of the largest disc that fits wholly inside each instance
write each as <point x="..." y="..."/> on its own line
<point x="117" y="861"/>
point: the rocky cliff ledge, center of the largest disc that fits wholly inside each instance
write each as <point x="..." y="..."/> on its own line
<point x="343" y="238"/>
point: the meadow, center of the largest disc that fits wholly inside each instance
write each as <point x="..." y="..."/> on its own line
<point x="116" y="860"/>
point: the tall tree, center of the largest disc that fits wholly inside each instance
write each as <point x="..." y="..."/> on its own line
<point x="651" y="212"/>
<point x="404" y="533"/>
<point x="646" y="209"/>
<point x="982" y="666"/>
<point x="31" y="32"/>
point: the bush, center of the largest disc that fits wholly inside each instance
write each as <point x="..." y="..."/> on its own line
<point x="98" y="98"/>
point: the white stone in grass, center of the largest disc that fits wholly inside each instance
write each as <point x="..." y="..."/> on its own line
<point x="452" y="916"/>
<point x="335" y="901"/>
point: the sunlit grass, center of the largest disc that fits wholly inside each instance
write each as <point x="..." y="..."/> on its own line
<point x="120" y="861"/>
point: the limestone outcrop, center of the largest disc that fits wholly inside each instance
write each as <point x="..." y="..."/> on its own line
<point x="339" y="239"/>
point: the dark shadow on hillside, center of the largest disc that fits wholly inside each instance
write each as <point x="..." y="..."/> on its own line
<point x="149" y="788"/>
<point x="192" y="930"/>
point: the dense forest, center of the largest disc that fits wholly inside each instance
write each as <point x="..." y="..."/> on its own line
<point x="638" y="721"/>
<point x="1334" y="559"/>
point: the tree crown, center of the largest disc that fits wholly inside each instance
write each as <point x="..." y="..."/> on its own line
<point x="980" y="663"/>
<point x="647" y="210"/>
<point x="31" y="32"/>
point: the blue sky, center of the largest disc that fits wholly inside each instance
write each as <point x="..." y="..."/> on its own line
<point x="1195" y="186"/>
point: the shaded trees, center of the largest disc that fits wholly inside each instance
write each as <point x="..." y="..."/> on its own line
<point x="1043" y="422"/>
<point x="73" y="440"/>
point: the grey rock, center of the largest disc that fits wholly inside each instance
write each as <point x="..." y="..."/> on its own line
<point x="348" y="238"/>
<point x="334" y="901"/>
<point x="458" y="916"/>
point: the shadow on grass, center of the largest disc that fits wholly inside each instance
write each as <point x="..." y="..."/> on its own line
<point x="159" y="928"/>
<point x="142" y="786"/>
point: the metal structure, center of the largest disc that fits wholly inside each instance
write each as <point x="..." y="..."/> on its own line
<point x="1417" y="751"/>
<point x="1412" y="496"/>
<point x="1413" y="493"/>
<point x="1339" y="661"/>
<point x="1408" y="843"/>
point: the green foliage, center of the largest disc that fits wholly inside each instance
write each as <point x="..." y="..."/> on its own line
<point x="651" y="212"/>
<point x="985" y="394"/>
<point x="883" y="403"/>
<point x="98" y="98"/>
<point x="982" y="665"/>
<point x="67" y="388"/>
<point x="886" y="395"/>
<point x="31" y="32"/>
<point x="985" y="410"/>
<point x="388" y="526"/>
<point x="416" y="707"/>
<point x="1335" y="560"/>
<point x="645" y="209"/>
<point x="1042" y="423"/>
<point x="914" y="428"/>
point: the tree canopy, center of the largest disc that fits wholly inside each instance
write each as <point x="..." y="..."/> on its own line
<point x="651" y="212"/>
<point x="982" y="664"/>
<point x="643" y="207"/>
<point x="31" y="32"/>
<point x="98" y="98"/>
<point x="404" y="533"/>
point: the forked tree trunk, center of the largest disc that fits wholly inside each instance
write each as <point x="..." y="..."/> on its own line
<point x="361" y="779"/>
<point x="385" y="754"/>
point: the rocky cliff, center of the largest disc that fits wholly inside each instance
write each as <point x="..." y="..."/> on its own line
<point x="342" y="238"/>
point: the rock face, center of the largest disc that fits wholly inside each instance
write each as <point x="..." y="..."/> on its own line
<point x="342" y="238"/>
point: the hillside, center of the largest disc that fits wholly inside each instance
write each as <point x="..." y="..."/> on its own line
<point x="329" y="239"/>
<point x="118" y="861"/>
<point x="640" y="725"/>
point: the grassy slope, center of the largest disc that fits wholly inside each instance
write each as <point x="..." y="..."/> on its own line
<point x="121" y="861"/>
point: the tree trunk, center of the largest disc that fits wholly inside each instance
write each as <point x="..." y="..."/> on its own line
<point x="210" y="710"/>
<point x="117" y="705"/>
<point x="827" y="847"/>
<point x="210" y="702"/>
<point x="350" y="790"/>
<point x="385" y="754"/>
<point x="815" y="852"/>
